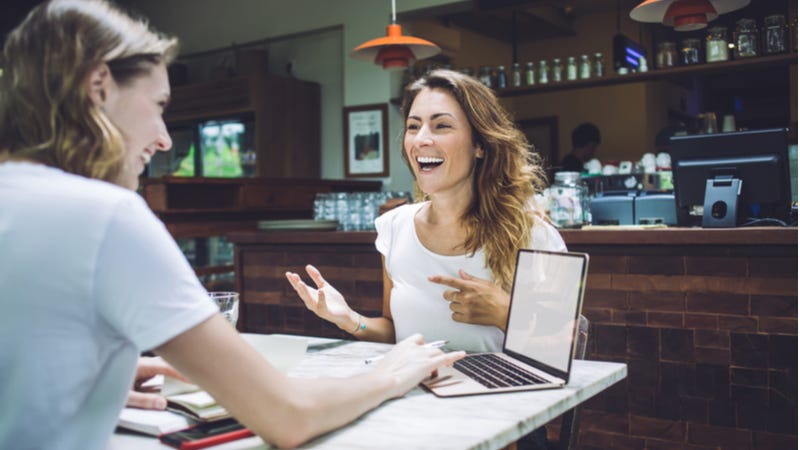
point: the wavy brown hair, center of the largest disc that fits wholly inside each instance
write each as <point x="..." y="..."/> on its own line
<point x="502" y="214"/>
<point x="46" y="114"/>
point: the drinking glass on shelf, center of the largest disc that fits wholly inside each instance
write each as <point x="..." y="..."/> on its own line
<point x="228" y="304"/>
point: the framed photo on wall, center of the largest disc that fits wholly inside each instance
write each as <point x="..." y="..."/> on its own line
<point x="366" y="141"/>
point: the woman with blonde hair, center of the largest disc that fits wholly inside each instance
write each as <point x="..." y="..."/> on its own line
<point x="91" y="278"/>
<point x="449" y="258"/>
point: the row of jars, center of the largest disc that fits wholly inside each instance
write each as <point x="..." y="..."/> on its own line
<point x="355" y="211"/>
<point x="553" y="71"/>
<point x="745" y="43"/>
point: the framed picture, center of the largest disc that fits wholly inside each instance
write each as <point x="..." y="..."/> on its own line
<point x="366" y="141"/>
<point x="542" y="133"/>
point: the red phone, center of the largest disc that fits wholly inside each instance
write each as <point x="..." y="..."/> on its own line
<point x="206" y="434"/>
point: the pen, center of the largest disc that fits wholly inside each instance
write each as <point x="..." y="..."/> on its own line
<point x="434" y="344"/>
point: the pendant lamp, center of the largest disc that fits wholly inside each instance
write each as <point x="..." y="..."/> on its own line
<point x="395" y="51"/>
<point x="684" y="15"/>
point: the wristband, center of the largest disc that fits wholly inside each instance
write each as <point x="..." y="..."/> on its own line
<point x="359" y="324"/>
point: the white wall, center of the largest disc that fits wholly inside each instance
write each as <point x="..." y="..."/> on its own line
<point x="204" y="25"/>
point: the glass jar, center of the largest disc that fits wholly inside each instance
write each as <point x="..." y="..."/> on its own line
<point x="598" y="68"/>
<point x="543" y="71"/>
<point x="775" y="34"/>
<point x="485" y="75"/>
<point x="572" y="69"/>
<point x="585" y="69"/>
<point x="569" y="201"/>
<point x="502" y="78"/>
<point x="690" y="51"/>
<point x="558" y="70"/>
<point x="717" y="44"/>
<point x="516" y="75"/>
<point x="667" y="56"/>
<point x="745" y="39"/>
<point x="530" y="75"/>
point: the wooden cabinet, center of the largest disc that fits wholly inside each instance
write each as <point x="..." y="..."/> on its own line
<point x="285" y="111"/>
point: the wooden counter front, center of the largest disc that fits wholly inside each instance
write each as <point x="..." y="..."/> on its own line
<point x="706" y="320"/>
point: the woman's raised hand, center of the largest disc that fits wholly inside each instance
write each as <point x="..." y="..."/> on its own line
<point x="410" y="362"/>
<point x="325" y="301"/>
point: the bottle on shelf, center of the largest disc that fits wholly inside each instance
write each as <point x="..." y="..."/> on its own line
<point x="717" y="44"/>
<point x="558" y="70"/>
<point x="599" y="67"/>
<point x="745" y="39"/>
<point x="516" y="75"/>
<point x="667" y="56"/>
<point x="774" y="32"/>
<point x="502" y="78"/>
<point x="543" y="72"/>
<point x="572" y="69"/>
<point x="690" y="51"/>
<point x="530" y="74"/>
<point x="585" y="69"/>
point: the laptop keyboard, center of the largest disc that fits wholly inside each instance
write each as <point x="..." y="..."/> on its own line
<point x="492" y="371"/>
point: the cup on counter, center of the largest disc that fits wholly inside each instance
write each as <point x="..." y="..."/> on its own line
<point x="228" y="304"/>
<point x="728" y="123"/>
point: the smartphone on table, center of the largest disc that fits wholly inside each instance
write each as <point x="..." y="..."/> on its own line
<point x="206" y="434"/>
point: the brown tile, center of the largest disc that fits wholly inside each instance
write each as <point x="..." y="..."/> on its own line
<point x="738" y="323"/>
<point x="749" y="377"/>
<point x="717" y="303"/>
<point x="642" y="373"/>
<point x="597" y="315"/>
<point x="706" y="355"/>
<point x="677" y="344"/>
<point x="643" y="342"/>
<point x="662" y="265"/>
<point x="712" y="338"/>
<point x="610" y="339"/>
<point x="773" y="266"/>
<point x="657" y="444"/>
<point x="658" y="301"/>
<point x="716" y="284"/>
<point x="714" y="265"/>
<point x="750" y="350"/>
<point x="770" y="441"/>
<point x="670" y="430"/>
<point x="782" y="352"/>
<point x="648" y="283"/>
<point x="677" y="378"/>
<point x="722" y="413"/>
<point x="773" y="305"/>
<point x="605" y="421"/>
<point x="631" y="317"/>
<point x="725" y="437"/>
<point x="665" y="319"/>
<point x="777" y="325"/>
<point x="598" y="281"/>
<point x="606" y="298"/>
<point x="599" y="440"/>
<point x="771" y="286"/>
<point x="608" y="264"/>
<point x="704" y="321"/>
<point x="713" y="381"/>
<point x="781" y="416"/>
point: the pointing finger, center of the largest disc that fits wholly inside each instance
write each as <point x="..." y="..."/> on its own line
<point x="316" y="276"/>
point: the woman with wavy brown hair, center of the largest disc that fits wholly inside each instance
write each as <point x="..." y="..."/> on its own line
<point x="449" y="258"/>
<point x="90" y="278"/>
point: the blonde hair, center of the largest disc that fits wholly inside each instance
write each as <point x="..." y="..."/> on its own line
<point x="46" y="114"/>
<point x="502" y="214"/>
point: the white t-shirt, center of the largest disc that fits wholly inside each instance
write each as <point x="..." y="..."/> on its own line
<point x="89" y="278"/>
<point x="417" y="305"/>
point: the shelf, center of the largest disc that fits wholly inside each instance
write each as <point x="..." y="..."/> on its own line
<point x="209" y="270"/>
<point x="672" y="73"/>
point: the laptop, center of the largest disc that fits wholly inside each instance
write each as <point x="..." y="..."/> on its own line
<point x="541" y="331"/>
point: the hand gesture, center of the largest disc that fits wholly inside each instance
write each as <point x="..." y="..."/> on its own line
<point x="475" y="300"/>
<point x="325" y="301"/>
<point x="146" y="369"/>
<point x="410" y="362"/>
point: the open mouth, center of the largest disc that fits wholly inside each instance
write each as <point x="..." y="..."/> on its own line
<point x="427" y="163"/>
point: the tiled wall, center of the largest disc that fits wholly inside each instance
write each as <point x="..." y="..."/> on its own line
<point x="709" y="334"/>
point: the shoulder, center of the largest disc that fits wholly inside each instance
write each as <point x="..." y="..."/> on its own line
<point x="399" y="213"/>
<point x="544" y="236"/>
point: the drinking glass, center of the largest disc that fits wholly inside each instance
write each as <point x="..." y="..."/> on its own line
<point x="228" y="304"/>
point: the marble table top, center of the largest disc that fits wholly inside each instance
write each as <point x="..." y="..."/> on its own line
<point x="421" y="420"/>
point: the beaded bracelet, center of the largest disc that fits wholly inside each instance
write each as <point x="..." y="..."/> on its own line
<point x="359" y="324"/>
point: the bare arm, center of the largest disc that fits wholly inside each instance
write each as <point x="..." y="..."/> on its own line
<point x="285" y="411"/>
<point x="475" y="300"/>
<point x="328" y="303"/>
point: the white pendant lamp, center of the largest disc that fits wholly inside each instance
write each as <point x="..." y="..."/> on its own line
<point x="684" y="15"/>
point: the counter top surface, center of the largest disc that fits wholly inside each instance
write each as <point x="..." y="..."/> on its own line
<point x="594" y="236"/>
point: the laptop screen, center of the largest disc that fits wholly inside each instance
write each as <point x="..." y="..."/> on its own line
<point x="544" y="306"/>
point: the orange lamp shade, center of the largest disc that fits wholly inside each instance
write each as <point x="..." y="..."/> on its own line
<point x="684" y="15"/>
<point x="394" y="51"/>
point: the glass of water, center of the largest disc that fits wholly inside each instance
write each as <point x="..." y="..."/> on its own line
<point x="228" y="304"/>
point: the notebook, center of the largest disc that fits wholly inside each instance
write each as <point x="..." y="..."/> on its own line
<point x="541" y="331"/>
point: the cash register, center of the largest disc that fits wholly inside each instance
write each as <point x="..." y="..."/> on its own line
<point x="632" y="199"/>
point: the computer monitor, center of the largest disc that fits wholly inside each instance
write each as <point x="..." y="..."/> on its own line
<point x="732" y="179"/>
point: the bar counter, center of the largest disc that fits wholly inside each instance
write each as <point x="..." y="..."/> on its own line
<point x="706" y="320"/>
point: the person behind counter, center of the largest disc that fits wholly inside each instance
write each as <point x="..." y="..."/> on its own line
<point x="90" y="278"/>
<point x="585" y="140"/>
